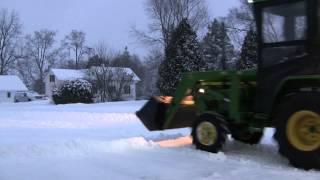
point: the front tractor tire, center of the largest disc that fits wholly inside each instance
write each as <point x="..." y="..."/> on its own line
<point x="297" y="126"/>
<point x="209" y="133"/>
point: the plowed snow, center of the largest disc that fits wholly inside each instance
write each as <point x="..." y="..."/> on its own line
<point x="40" y="141"/>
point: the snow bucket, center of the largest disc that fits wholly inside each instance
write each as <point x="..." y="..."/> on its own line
<point x="152" y="115"/>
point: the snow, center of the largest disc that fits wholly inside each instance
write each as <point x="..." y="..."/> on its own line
<point x="68" y="74"/>
<point x="71" y="74"/>
<point x="39" y="141"/>
<point x="128" y="71"/>
<point x="11" y="83"/>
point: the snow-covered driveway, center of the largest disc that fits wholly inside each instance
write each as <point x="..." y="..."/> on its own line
<point x="39" y="141"/>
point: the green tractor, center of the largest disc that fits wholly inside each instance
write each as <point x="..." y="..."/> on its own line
<point x="284" y="93"/>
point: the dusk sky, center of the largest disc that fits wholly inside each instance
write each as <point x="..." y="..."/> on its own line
<point x="101" y="20"/>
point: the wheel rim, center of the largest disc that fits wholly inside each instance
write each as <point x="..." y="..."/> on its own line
<point x="303" y="130"/>
<point x="207" y="133"/>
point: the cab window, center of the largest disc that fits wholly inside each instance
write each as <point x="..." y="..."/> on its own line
<point x="283" y="23"/>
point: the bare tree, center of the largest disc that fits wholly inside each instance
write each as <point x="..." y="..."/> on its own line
<point x="10" y="29"/>
<point x="110" y="83"/>
<point x="41" y="53"/>
<point x="99" y="78"/>
<point x="101" y="55"/>
<point x="239" y="21"/>
<point x="24" y="67"/>
<point x="152" y="63"/>
<point x="75" y="41"/>
<point x="165" y="15"/>
<point x="103" y="51"/>
<point x="122" y="79"/>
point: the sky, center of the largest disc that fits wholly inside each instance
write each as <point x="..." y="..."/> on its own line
<point x="109" y="21"/>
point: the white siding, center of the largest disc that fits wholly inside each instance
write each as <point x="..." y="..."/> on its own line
<point x="133" y="90"/>
<point x="51" y="85"/>
<point x="4" y="96"/>
<point x="10" y="84"/>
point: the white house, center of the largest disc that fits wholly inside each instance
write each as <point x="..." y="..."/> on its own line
<point x="9" y="86"/>
<point x="57" y="77"/>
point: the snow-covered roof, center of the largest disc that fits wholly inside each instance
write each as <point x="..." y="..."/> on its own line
<point x="11" y="83"/>
<point x="71" y="74"/>
<point x="126" y="70"/>
<point x="68" y="74"/>
<point x="130" y="71"/>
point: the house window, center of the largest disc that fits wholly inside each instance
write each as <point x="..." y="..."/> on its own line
<point x="127" y="89"/>
<point x="52" y="78"/>
<point x="9" y="94"/>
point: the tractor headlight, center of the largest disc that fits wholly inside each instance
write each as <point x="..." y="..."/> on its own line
<point x="201" y="90"/>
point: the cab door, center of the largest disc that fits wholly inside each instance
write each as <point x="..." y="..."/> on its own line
<point x="284" y="51"/>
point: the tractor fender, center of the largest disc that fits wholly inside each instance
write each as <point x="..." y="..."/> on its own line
<point x="218" y="117"/>
<point x="293" y="85"/>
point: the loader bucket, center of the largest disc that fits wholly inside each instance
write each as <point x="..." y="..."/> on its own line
<point x="152" y="115"/>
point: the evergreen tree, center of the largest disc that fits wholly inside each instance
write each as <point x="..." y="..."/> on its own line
<point x="123" y="59"/>
<point x="96" y="61"/>
<point x="77" y="91"/>
<point x="249" y="52"/>
<point x="218" y="51"/>
<point x="181" y="55"/>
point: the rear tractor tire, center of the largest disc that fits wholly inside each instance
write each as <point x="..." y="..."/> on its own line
<point x="297" y="126"/>
<point x="209" y="133"/>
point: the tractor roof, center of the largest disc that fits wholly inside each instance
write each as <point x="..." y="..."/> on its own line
<point x="255" y="1"/>
<point x="258" y="1"/>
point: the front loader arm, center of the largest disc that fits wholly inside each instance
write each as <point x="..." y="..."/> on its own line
<point x="188" y="82"/>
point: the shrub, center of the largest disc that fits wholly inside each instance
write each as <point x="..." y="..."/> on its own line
<point x="77" y="91"/>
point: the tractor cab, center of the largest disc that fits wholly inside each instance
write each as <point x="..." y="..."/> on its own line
<point x="288" y="45"/>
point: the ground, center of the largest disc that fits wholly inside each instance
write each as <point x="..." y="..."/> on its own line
<point x="40" y="141"/>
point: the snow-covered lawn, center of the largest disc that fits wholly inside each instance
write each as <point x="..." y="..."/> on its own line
<point x="40" y="141"/>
